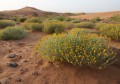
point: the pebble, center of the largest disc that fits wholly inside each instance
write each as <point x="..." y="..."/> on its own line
<point x="12" y="64"/>
<point x="11" y="56"/>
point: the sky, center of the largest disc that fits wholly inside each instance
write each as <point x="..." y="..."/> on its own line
<point x="75" y="6"/>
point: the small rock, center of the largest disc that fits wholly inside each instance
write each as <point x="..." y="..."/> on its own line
<point x="12" y="64"/>
<point x="11" y="56"/>
<point x="18" y="79"/>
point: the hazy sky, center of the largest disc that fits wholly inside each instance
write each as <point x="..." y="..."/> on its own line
<point x="63" y="5"/>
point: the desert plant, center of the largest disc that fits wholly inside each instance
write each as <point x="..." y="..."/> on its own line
<point x="96" y="19"/>
<point x="36" y="27"/>
<point x="5" y="23"/>
<point x="12" y="33"/>
<point x="111" y="30"/>
<point x="61" y="18"/>
<point x="84" y="25"/>
<point x="69" y="19"/>
<point x="115" y="18"/>
<point x="54" y="26"/>
<point x="34" y="20"/>
<point x="77" y="21"/>
<point x="99" y="25"/>
<point x="77" y="47"/>
<point x="21" y="19"/>
<point x="33" y="26"/>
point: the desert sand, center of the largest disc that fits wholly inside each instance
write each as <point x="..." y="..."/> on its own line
<point x="102" y="15"/>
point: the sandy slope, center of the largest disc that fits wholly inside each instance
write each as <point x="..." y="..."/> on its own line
<point x="32" y="70"/>
<point x="102" y="15"/>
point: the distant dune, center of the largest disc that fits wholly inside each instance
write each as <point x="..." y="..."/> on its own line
<point x="102" y="15"/>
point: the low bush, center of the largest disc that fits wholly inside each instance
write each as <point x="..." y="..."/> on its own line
<point x="61" y="18"/>
<point x="21" y="19"/>
<point x="12" y="33"/>
<point x="111" y="30"/>
<point x="78" y="47"/>
<point x="34" y="20"/>
<point x="33" y="26"/>
<point x="69" y="19"/>
<point x="115" y="18"/>
<point x="99" y="25"/>
<point x="84" y="25"/>
<point x="54" y="27"/>
<point x="5" y="23"/>
<point x="70" y="25"/>
<point x="77" y="21"/>
<point x="36" y="27"/>
<point x="96" y="19"/>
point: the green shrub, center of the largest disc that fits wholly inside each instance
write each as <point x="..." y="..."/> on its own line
<point x="77" y="21"/>
<point x="96" y="19"/>
<point x="115" y="18"/>
<point x="69" y="19"/>
<point x="61" y="18"/>
<point x="36" y="27"/>
<point x="77" y="47"/>
<point x="99" y="25"/>
<point x="111" y="30"/>
<point x="26" y="26"/>
<point x="5" y="23"/>
<point x="69" y="25"/>
<point x="12" y="33"/>
<point x="33" y="26"/>
<point x="21" y="19"/>
<point x="54" y="27"/>
<point x="34" y="20"/>
<point x="85" y="25"/>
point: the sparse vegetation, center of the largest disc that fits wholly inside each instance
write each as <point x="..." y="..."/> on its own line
<point x="21" y="19"/>
<point x="61" y="18"/>
<point x="115" y="18"/>
<point x="99" y="25"/>
<point x="84" y="25"/>
<point x="54" y="26"/>
<point x="96" y="19"/>
<point x="78" y="48"/>
<point x="33" y="26"/>
<point x="5" y="23"/>
<point x="34" y="20"/>
<point x="12" y="33"/>
<point x="77" y="21"/>
<point x="111" y="30"/>
<point x="36" y="27"/>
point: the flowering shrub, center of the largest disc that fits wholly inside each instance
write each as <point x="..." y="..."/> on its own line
<point x="85" y="25"/>
<point x="78" y="47"/>
<point x="111" y="30"/>
<point x="54" y="26"/>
